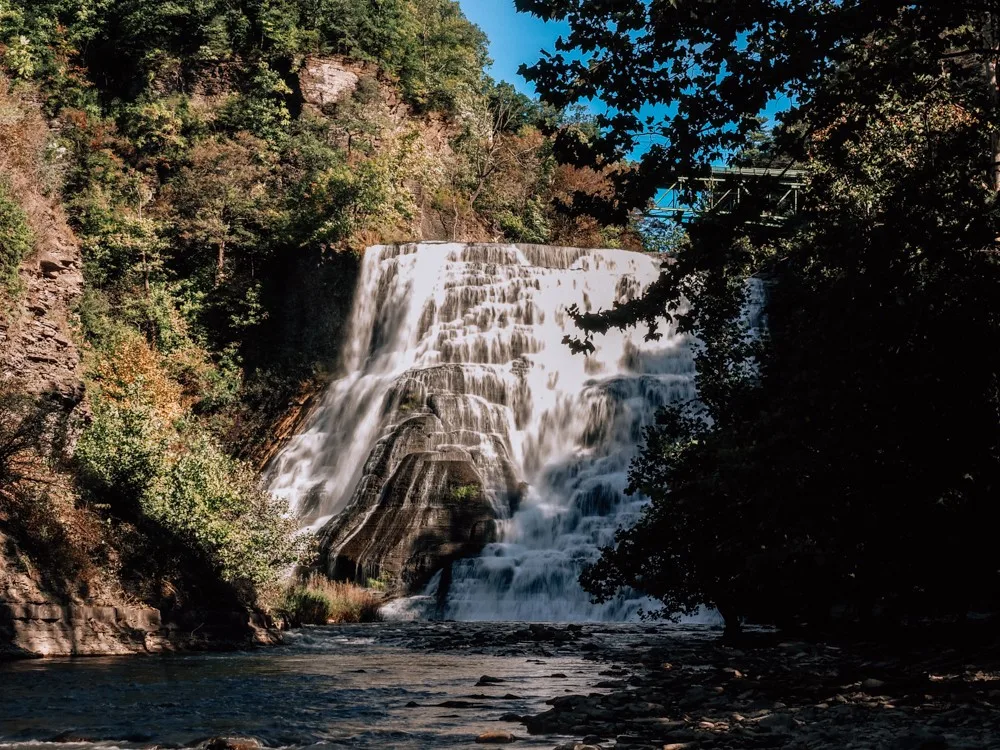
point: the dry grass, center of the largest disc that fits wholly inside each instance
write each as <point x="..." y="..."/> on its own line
<point x="320" y="601"/>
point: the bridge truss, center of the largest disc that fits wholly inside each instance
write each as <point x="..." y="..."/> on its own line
<point x="776" y="189"/>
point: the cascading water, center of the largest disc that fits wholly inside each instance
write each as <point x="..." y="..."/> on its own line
<point x="462" y="345"/>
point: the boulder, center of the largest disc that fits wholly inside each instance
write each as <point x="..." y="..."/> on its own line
<point x="431" y="511"/>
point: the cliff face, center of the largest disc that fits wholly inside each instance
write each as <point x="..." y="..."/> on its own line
<point x="347" y="90"/>
<point x="37" y="349"/>
<point x="60" y="587"/>
<point x="420" y="506"/>
<point x="37" y="346"/>
<point x="39" y="358"/>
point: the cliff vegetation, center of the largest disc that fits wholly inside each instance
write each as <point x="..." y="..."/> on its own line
<point x="215" y="170"/>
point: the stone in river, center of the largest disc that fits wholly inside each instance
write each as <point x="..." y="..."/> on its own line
<point x="232" y="743"/>
<point x="921" y="740"/>
<point x="487" y="680"/>
<point x="776" y="722"/>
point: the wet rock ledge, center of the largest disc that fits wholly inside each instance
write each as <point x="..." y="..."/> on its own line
<point x="701" y="694"/>
<point x="37" y="630"/>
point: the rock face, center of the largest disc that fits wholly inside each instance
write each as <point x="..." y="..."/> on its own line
<point x="327" y="80"/>
<point x="36" y="340"/>
<point x="427" y="496"/>
<point x="32" y="630"/>
<point x="431" y="510"/>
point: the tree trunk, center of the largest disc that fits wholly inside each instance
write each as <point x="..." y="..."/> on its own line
<point x="220" y="263"/>
<point x="733" y="623"/>
<point x="993" y="90"/>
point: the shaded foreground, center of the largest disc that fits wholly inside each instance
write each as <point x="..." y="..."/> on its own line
<point x="699" y="693"/>
<point x="455" y="685"/>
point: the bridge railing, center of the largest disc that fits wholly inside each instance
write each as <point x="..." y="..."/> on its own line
<point x="777" y="188"/>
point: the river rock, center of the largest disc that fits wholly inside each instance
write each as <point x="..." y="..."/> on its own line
<point x="232" y="743"/>
<point x="776" y="722"/>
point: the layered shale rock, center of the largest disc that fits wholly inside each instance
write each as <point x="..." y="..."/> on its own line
<point x="32" y="630"/>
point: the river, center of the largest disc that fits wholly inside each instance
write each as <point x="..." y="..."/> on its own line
<point x="386" y="685"/>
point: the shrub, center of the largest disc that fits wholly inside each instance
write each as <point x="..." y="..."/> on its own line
<point x="122" y="452"/>
<point x="304" y="606"/>
<point x="36" y="511"/>
<point x="318" y="601"/>
<point x="179" y="477"/>
<point x="16" y="240"/>
<point x="466" y="492"/>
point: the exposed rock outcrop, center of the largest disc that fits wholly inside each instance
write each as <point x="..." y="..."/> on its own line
<point x="417" y="509"/>
<point x="28" y="630"/>
<point x="36" y="342"/>
<point x="328" y="80"/>
<point x="37" y="349"/>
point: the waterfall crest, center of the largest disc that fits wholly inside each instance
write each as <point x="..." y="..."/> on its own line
<point x="464" y="448"/>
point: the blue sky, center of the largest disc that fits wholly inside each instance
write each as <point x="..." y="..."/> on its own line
<point x="515" y="38"/>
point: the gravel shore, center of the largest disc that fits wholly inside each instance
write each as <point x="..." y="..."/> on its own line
<point x="699" y="693"/>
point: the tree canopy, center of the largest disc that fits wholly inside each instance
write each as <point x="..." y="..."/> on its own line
<point x="688" y="78"/>
<point x="842" y="459"/>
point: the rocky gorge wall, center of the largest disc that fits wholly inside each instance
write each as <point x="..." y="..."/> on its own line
<point x="31" y="630"/>
<point x="54" y="601"/>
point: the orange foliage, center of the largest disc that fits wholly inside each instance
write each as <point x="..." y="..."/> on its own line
<point x="585" y="231"/>
<point x="135" y="373"/>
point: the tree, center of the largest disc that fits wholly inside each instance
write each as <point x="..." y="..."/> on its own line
<point x="710" y="68"/>
<point x="843" y="460"/>
<point x="221" y="198"/>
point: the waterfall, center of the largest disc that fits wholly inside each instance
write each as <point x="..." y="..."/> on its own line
<point x="455" y="354"/>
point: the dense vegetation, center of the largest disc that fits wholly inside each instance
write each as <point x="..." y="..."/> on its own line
<point x="15" y="240"/>
<point x="221" y="216"/>
<point x="841" y="466"/>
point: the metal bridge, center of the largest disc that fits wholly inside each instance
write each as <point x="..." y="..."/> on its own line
<point x="775" y="189"/>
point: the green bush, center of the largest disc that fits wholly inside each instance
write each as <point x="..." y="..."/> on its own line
<point x="466" y="492"/>
<point x="16" y="240"/>
<point x="304" y="606"/>
<point x="122" y="452"/>
<point x="179" y="477"/>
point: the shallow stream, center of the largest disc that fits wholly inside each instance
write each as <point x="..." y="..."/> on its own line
<point x="389" y="685"/>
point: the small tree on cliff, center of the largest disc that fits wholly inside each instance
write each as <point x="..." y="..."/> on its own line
<point x="222" y="198"/>
<point x="853" y="461"/>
